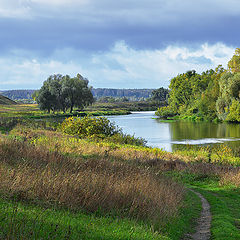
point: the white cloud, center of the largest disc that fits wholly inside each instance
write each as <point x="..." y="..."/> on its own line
<point x="14" y="9"/>
<point x="154" y="68"/>
<point x="120" y="67"/>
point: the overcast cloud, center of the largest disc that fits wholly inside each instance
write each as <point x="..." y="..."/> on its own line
<point x="121" y="44"/>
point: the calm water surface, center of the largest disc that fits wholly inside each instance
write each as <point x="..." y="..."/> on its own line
<point x="171" y="135"/>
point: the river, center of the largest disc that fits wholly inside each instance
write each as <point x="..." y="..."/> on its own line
<point x="171" y="135"/>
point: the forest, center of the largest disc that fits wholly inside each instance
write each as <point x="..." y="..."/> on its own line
<point x="213" y="95"/>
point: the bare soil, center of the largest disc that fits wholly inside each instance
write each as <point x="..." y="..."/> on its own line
<point x="204" y="222"/>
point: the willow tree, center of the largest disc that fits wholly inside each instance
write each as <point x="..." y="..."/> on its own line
<point x="63" y="92"/>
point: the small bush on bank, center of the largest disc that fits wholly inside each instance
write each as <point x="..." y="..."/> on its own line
<point x="98" y="128"/>
<point x="165" y="112"/>
<point x="87" y="127"/>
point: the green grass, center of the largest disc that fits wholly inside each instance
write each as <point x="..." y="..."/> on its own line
<point x="224" y="202"/>
<point x="26" y="221"/>
<point x="33" y="112"/>
<point x="187" y="218"/>
<point x="31" y="220"/>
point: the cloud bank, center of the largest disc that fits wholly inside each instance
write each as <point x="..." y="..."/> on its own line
<point x="122" y="66"/>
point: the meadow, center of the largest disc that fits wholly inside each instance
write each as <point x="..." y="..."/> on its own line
<point x="62" y="186"/>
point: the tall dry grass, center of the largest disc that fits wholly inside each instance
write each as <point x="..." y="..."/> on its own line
<point x="33" y="172"/>
<point x="232" y="177"/>
<point x="156" y="159"/>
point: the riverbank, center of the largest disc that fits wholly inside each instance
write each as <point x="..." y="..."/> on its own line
<point x="31" y="111"/>
<point x="58" y="186"/>
<point x="96" y="109"/>
<point x="94" y="180"/>
<point x="104" y="170"/>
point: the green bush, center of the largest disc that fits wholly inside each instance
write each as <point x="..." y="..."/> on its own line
<point x="89" y="127"/>
<point x="98" y="128"/>
<point x="165" y="112"/>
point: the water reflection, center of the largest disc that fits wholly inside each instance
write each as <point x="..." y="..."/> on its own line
<point x="171" y="135"/>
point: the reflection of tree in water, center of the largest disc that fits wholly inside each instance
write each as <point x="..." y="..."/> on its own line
<point x="192" y="130"/>
<point x="232" y="130"/>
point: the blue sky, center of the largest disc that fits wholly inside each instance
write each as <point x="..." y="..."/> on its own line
<point x="115" y="44"/>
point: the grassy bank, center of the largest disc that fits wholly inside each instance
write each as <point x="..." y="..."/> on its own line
<point x="33" y="112"/>
<point x="97" y="109"/>
<point x="24" y="220"/>
<point x="97" y="179"/>
<point x="97" y="189"/>
<point x="223" y="197"/>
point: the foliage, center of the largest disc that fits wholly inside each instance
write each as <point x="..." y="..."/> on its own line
<point x="62" y="92"/>
<point x="18" y="94"/>
<point x="98" y="128"/>
<point x="131" y="94"/>
<point x="160" y="95"/>
<point x="88" y="127"/>
<point x="234" y="63"/>
<point x="165" y="112"/>
<point x="189" y="96"/>
<point x="234" y="112"/>
<point x="98" y="93"/>
<point x="229" y="85"/>
<point x="112" y="99"/>
<point x="207" y="96"/>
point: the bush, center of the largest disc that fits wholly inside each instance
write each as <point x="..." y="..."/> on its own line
<point x="165" y="112"/>
<point x="89" y="127"/>
<point x="98" y="128"/>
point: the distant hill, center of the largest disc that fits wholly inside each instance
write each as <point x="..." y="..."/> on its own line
<point x="18" y="94"/>
<point x="134" y="94"/>
<point x="6" y="101"/>
<point x="128" y="93"/>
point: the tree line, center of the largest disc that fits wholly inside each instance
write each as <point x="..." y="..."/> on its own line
<point x="100" y="94"/>
<point x="211" y="95"/>
<point x="60" y="93"/>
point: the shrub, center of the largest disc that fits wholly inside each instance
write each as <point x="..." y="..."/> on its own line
<point x="89" y="127"/>
<point x="165" y="112"/>
<point x="98" y="128"/>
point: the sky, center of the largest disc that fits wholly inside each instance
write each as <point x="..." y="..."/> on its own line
<point x="115" y="44"/>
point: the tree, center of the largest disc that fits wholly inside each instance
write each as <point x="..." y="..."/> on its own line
<point x="62" y="92"/>
<point x="234" y="63"/>
<point x="159" y="95"/>
<point x="45" y="99"/>
<point x="229" y="85"/>
<point x="77" y="92"/>
<point x="234" y="112"/>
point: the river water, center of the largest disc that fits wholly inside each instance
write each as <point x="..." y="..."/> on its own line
<point x="172" y="135"/>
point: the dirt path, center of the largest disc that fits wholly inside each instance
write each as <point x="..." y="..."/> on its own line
<point x="204" y="222"/>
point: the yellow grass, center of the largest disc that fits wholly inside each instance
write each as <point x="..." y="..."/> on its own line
<point x="32" y="172"/>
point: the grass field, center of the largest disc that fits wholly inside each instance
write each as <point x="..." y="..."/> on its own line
<point x="224" y="199"/>
<point x="91" y="178"/>
<point x="55" y="186"/>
